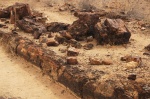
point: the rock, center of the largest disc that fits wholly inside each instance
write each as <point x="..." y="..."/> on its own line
<point x="52" y="42"/>
<point x="75" y="43"/>
<point x="2" y="25"/>
<point x="88" y="46"/>
<point x="5" y="27"/>
<point x="15" y="12"/>
<point x="90" y="39"/>
<point x="95" y="61"/>
<point x="29" y="25"/>
<point x="84" y="25"/>
<point x="3" y="19"/>
<point x="132" y="77"/>
<point x="19" y="11"/>
<point x="6" y="22"/>
<point x="147" y="47"/>
<point x="60" y="39"/>
<point x="56" y="26"/>
<point x="41" y="19"/>
<point x="50" y="35"/>
<point x="42" y="39"/>
<point x="130" y="58"/>
<point x="62" y="50"/>
<point x="112" y="31"/>
<point x="143" y="28"/>
<point x="66" y="34"/>
<point x="66" y="7"/>
<point x="36" y="35"/>
<point x="131" y="65"/>
<point x="4" y="13"/>
<point x="72" y="51"/>
<point x="145" y="53"/>
<point x="72" y="60"/>
<point x="107" y="62"/>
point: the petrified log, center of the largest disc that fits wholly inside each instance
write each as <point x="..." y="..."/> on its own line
<point x="15" y="12"/>
<point x="56" y="26"/>
<point x="18" y="11"/>
<point x="112" y="31"/>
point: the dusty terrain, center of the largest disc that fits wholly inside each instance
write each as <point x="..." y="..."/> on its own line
<point x="22" y="80"/>
<point x="139" y="39"/>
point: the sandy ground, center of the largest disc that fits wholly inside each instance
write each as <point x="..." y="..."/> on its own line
<point x="29" y="81"/>
<point x="22" y="80"/>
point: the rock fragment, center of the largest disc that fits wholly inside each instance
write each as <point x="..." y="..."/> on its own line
<point x="132" y="77"/>
<point x="107" y="62"/>
<point x="56" y="26"/>
<point x="72" y="60"/>
<point x="72" y="51"/>
<point x="52" y="42"/>
<point x="112" y="31"/>
<point x="95" y="61"/>
<point x="88" y="46"/>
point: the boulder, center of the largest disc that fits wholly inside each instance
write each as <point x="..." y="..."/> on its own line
<point x="84" y="25"/>
<point x="15" y="12"/>
<point x="112" y="31"/>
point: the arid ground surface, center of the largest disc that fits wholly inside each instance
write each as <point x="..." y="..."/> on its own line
<point x="20" y="79"/>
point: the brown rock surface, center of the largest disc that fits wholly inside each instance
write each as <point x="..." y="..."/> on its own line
<point x="112" y="31"/>
<point x="95" y="61"/>
<point x="72" y="61"/>
<point x="56" y="26"/>
<point x="72" y="51"/>
<point x="52" y="42"/>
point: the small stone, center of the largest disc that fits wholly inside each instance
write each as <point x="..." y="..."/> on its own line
<point x="1" y="25"/>
<point x="42" y="39"/>
<point x="5" y="27"/>
<point x="3" y="19"/>
<point x="131" y="65"/>
<point x="90" y="39"/>
<point x="37" y="35"/>
<point x="72" y="51"/>
<point x="6" y="22"/>
<point x="143" y="28"/>
<point x="50" y="35"/>
<point x="130" y="58"/>
<point x="132" y="77"/>
<point x="52" y="42"/>
<point x="72" y="60"/>
<point x="88" y="46"/>
<point x="60" y="39"/>
<point x="95" y="61"/>
<point x="75" y="43"/>
<point x="65" y="34"/>
<point x="148" y="54"/>
<point x="107" y="62"/>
